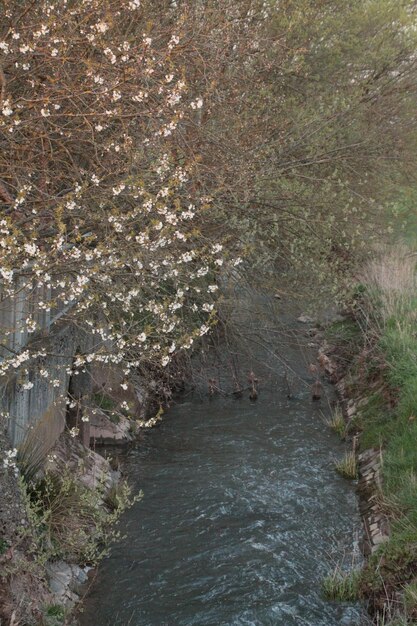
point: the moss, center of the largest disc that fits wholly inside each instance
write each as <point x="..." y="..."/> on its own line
<point x="104" y="402"/>
<point x="4" y="545"/>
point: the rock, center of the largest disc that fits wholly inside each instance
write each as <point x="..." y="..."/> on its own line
<point x="90" y="467"/>
<point x="379" y="539"/>
<point x="59" y="575"/>
<point x="79" y="578"/>
<point x="305" y="319"/>
<point x="351" y="411"/>
<point x="63" y="580"/>
<point x="328" y="365"/>
<point x="104" y="432"/>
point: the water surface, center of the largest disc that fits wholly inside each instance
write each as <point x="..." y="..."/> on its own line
<point x="241" y="517"/>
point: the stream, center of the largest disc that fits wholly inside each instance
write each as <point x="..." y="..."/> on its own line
<point x="242" y="515"/>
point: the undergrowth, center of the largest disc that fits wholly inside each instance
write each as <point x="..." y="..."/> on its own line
<point x="70" y="521"/>
<point x="345" y="336"/>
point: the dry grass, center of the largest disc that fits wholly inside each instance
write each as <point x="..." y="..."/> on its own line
<point x="347" y="466"/>
<point x="337" y="422"/>
<point x="392" y="282"/>
<point x="38" y="441"/>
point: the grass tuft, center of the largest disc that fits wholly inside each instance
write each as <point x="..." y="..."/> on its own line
<point x="37" y="443"/>
<point x="347" y="466"/>
<point x="410" y="598"/>
<point x="337" y="422"/>
<point x="341" y="585"/>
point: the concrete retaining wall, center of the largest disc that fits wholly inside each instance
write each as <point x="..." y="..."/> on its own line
<point x="60" y="340"/>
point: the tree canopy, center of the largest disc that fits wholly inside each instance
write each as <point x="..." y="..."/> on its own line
<point x="146" y="147"/>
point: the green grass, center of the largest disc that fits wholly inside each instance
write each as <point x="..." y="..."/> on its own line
<point x="107" y="405"/>
<point x="4" y="545"/>
<point x="104" y="402"/>
<point x="54" y="615"/>
<point x="399" y="346"/>
<point x="55" y="610"/>
<point x="346" y="336"/>
<point x="392" y="566"/>
<point x="410" y="598"/>
<point x="389" y="419"/>
<point x="337" y="422"/>
<point x="343" y="331"/>
<point x="375" y="421"/>
<point x="342" y="586"/>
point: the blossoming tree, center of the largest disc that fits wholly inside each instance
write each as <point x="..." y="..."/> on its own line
<point x="101" y="219"/>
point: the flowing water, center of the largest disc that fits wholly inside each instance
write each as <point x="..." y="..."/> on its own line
<point x="242" y="516"/>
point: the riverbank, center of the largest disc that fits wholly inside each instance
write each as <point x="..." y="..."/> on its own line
<point x="55" y="527"/>
<point x="376" y="357"/>
<point x="63" y="494"/>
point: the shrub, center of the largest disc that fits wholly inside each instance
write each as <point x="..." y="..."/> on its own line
<point x="71" y="521"/>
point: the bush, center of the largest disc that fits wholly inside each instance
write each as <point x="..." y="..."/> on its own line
<point x="71" y="521"/>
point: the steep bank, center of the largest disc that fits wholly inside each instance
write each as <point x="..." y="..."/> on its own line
<point x="24" y="589"/>
<point x="54" y="527"/>
<point x="376" y="356"/>
<point x="61" y="499"/>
